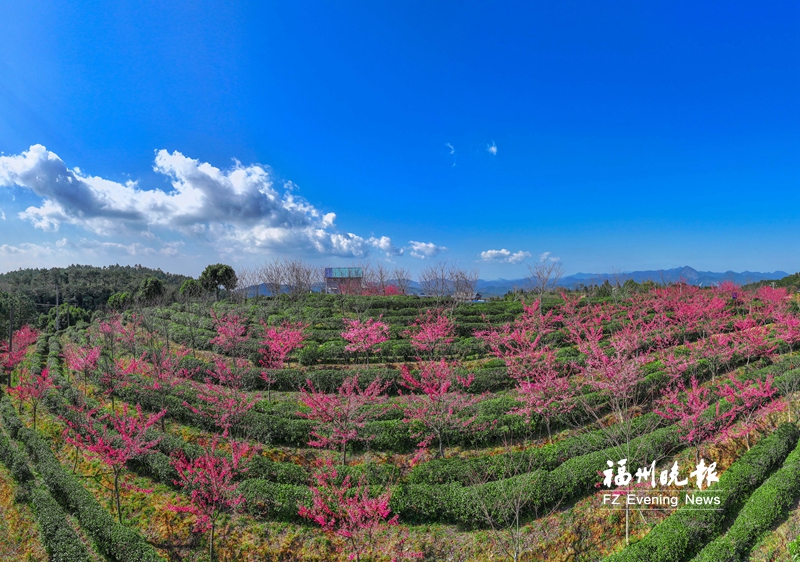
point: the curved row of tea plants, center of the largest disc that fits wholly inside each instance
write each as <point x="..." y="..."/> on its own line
<point x="683" y="534"/>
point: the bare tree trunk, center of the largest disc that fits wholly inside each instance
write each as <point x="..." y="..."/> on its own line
<point x="544" y="275"/>
<point x="116" y="494"/>
<point x="402" y="279"/>
<point x="464" y="282"/>
<point x="211" y="542"/>
<point x="381" y="278"/>
<point x="273" y="275"/>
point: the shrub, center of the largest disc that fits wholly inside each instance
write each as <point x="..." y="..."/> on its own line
<point x="683" y="533"/>
<point x="115" y="541"/>
<point x="570" y="480"/>
<point x="771" y="501"/>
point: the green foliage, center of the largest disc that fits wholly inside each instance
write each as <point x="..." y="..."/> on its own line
<point x="67" y="315"/>
<point x="270" y="500"/>
<point x="572" y="479"/>
<point x="59" y="538"/>
<point x="683" y="533"/>
<point x="150" y="289"/>
<point x="87" y="286"/>
<point x="217" y="275"/>
<point x="768" y="504"/>
<point x="191" y="288"/>
<point x="22" y="311"/>
<point x="309" y="354"/>
<point x="496" y="467"/>
<point x="791" y="282"/>
<point x="115" y="541"/>
<point x="61" y="541"/>
<point x="605" y="290"/>
<point x="119" y="301"/>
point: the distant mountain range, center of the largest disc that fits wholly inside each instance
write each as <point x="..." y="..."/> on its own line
<point x="685" y="273"/>
<point x="688" y="274"/>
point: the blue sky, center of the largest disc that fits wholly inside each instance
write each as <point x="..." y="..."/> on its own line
<point x="632" y="135"/>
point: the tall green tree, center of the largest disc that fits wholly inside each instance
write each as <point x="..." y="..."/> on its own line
<point x="119" y="301"/>
<point x="191" y="288"/>
<point x="217" y="275"/>
<point x="150" y="289"/>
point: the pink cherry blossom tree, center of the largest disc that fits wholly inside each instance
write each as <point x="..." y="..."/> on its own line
<point x="787" y="328"/>
<point x="32" y="388"/>
<point x="749" y="403"/>
<point x="365" y="337"/>
<point x="752" y="340"/>
<point x="224" y="401"/>
<point x="432" y="333"/>
<point x="129" y="333"/>
<point x="231" y="333"/>
<point x="676" y="365"/>
<point x="438" y="403"/>
<point x="377" y="289"/>
<point x="615" y="374"/>
<point x="115" y="439"/>
<point x="521" y="344"/>
<point x="278" y="343"/>
<point x="686" y="407"/>
<point x="686" y="317"/>
<point x="542" y="388"/>
<point x="545" y="392"/>
<point x="348" y="511"/>
<point x="82" y="359"/>
<point x="342" y="416"/>
<point x="114" y="376"/>
<point x="213" y="480"/>
<point x="108" y="331"/>
<point x="775" y="300"/>
<point x="162" y="371"/>
<point x="76" y="420"/>
<point x="114" y="333"/>
<point x="162" y="367"/>
<point x="20" y="341"/>
<point x="717" y="350"/>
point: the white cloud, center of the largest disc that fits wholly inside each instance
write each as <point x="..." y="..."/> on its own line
<point x="171" y="248"/>
<point x="64" y="251"/>
<point x="504" y="256"/>
<point x="546" y="256"/>
<point x="492" y="149"/>
<point x="238" y="209"/>
<point x="2" y="215"/>
<point x="97" y="248"/>
<point x="452" y="152"/>
<point x="425" y="250"/>
<point x="384" y="244"/>
<point x="31" y="250"/>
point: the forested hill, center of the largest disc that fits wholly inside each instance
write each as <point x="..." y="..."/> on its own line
<point x="791" y="282"/>
<point x="85" y="286"/>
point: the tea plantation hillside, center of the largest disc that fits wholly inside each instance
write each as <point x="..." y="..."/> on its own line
<point x="377" y="428"/>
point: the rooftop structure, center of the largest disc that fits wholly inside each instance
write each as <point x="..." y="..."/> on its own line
<point x="343" y="280"/>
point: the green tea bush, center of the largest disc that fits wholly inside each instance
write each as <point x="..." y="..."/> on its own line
<point x="684" y="533"/>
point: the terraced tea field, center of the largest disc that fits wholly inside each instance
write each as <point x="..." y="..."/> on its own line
<point x="391" y="428"/>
